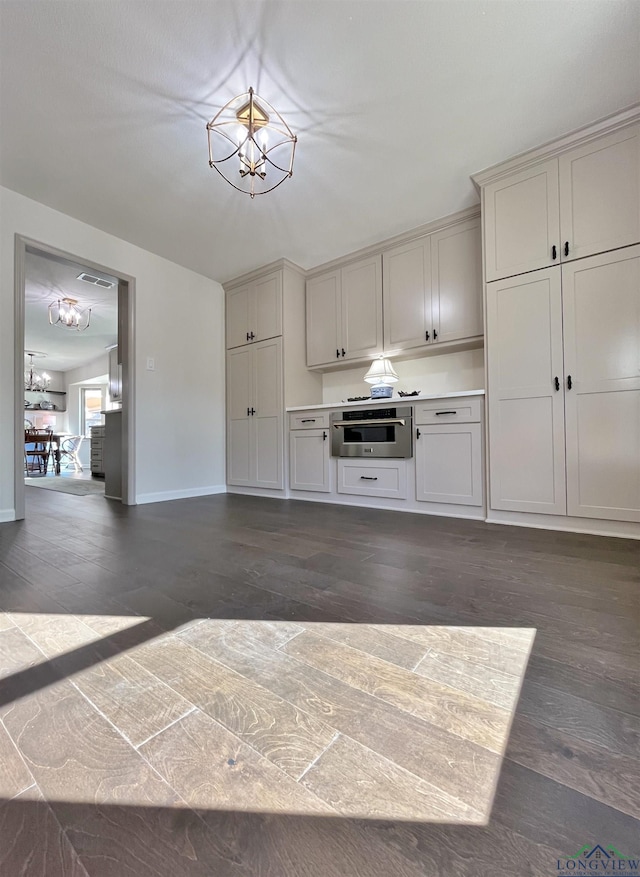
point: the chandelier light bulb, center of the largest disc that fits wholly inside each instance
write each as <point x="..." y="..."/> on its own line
<point x="66" y="314"/>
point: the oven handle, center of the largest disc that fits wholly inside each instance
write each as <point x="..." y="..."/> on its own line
<point x="399" y="420"/>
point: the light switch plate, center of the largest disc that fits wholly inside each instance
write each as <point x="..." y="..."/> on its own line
<point x="151" y="364"/>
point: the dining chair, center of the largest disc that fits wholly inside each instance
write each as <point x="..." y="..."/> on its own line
<point x="69" y="450"/>
<point x="37" y="450"/>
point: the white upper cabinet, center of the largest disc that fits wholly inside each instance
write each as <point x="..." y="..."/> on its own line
<point x="601" y="318"/>
<point x="344" y="313"/>
<point x="362" y="309"/>
<point x="522" y="221"/>
<point x="456" y="271"/>
<point x="254" y="311"/>
<point x="578" y="203"/>
<point x="433" y="288"/>
<point x="324" y="316"/>
<point x="600" y="195"/>
<point x="407" y="295"/>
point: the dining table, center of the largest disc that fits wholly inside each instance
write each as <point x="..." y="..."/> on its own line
<point x="53" y="440"/>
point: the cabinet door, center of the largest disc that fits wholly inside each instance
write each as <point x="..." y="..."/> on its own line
<point x="456" y="270"/>
<point x="526" y="412"/>
<point x="309" y="460"/>
<point x="239" y="397"/>
<point x="267" y="307"/>
<point x="601" y="298"/>
<point x="362" y="308"/>
<point x="522" y="221"/>
<point x="407" y="295"/>
<point x="323" y="319"/>
<point x="238" y="316"/>
<point x="600" y="194"/>
<point x="267" y="422"/>
<point x="449" y="464"/>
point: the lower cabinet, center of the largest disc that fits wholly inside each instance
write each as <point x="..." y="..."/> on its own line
<point x="255" y="415"/>
<point x="386" y="478"/>
<point x="309" y="460"/>
<point x="448" y="452"/>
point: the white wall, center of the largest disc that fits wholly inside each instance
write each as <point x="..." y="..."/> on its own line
<point x="436" y="373"/>
<point x="185" y="390"/>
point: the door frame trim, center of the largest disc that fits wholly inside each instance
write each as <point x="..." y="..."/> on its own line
<point x="126" y="331"/>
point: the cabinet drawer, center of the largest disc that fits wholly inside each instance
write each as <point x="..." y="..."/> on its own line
<point x="97" y="432"/>
<point x="385" y="478"/>
<point x="461" y="410"/>
<point x="309" y="420"/>
<point x="96" y="449"/>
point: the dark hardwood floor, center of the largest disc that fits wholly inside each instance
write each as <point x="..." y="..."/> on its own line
<point x="570" y="775"/>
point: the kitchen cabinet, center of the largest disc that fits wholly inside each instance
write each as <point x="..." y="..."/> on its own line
<point x="564" y="389"/>
<point x="254" y="310"/>
<point x="382" y="478"/>
<point x="309" y="462"/>
<point x="255" y="415"/>
<point x="265" y="375"/>
<point x="432" y="289"/>
<point x="448" y="452"/>
<point x="344" y="313"/>
<point x="583" y="201"/>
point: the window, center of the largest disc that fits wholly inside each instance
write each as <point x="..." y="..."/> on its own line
<point x="90" y="407"/>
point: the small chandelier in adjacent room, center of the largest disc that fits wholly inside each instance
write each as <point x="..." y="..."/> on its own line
<point x="251" y="145"/>
<point x="33" y="380"/>
<point x="381" y="375"/>
<point x="66" y="314"/>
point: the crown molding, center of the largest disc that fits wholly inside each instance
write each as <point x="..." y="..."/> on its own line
<point x="607" y="125"/>
<point x="278" y="265"/>
<point x="403" y="238"/>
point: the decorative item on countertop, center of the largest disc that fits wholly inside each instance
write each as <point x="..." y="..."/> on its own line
<point x="356" y="399"/>
<point x="381" y="375"/>
<point x="404" y="394"/>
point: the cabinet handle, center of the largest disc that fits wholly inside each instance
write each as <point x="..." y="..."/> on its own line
<point x="253" y="411"/>
<point x="566" y="248"/>
<point x="248" y="337"/>
<point x="554" y="252"/>
<point x="248" y="412"/>
<point x="435" y="334"/>
<point x="368" y="478"/>
<point x="308" y="420"/>
<point x="344" y="352"/>
<point x="569" y="383"/>
<point x="426" y="336"/>
<point x="417" y="433"/>
<point x="337" y="354"/>
<point x="557" y="383"/>
<point x="324" y="436"/>
<point x="438" y="413"/>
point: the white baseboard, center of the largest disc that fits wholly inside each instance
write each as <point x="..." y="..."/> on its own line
<point x="567" y="524"/>
<point x="189" y="493"/>
<point x="7" y="515"/>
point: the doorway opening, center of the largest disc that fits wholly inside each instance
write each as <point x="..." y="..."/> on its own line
<point x="74" y="425"/>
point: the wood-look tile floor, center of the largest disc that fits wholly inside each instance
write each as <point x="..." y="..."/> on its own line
<point x="244" y="687"/>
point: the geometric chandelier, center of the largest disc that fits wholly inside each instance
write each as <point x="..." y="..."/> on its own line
<point x="65" y="314"/>
<point x="251" y="145"/>
<point x="33" y="380"/>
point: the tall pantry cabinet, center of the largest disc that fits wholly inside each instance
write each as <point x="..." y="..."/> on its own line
<point x="266" y="371"/>
<point x="562" y="304"/>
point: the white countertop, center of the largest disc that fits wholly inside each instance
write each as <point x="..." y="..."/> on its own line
<point x="394" y="400"/>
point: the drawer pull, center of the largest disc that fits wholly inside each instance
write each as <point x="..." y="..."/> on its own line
<point x="438" y="413"/>
<point x="382" y="422"/>
<point x="369" y="477"/>
<point x="308" y="420"/>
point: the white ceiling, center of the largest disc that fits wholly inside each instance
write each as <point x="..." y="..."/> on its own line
<point x="396" y="102"/>
<point x="47" y="280"/>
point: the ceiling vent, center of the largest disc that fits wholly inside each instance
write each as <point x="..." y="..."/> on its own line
<point x="96" y="281"/>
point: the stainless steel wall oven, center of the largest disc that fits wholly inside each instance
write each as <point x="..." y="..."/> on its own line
<point x="373" y="432"/>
